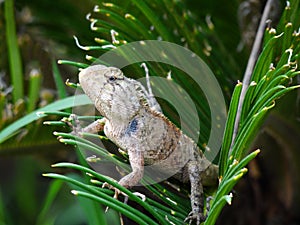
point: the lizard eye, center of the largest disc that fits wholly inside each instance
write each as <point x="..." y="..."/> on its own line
<point x="113" y="74"/>
<point x="112" y="78"/>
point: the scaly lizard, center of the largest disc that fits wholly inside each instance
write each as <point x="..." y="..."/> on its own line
<point x="133" y="120"/>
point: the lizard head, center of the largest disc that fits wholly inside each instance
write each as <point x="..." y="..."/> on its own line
<point x="115" y="96"/>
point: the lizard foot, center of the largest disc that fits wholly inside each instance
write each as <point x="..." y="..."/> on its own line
<point x="117" y="191"/>
<point x="208" y="200"/>
<point x="74" y="123"/>
<point x="116" y="194"/>
<point x="199" y="218"/>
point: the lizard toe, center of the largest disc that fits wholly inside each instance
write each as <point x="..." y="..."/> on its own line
<point x="198" y="218"/>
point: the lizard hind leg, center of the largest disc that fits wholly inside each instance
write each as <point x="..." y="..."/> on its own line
<point x="197" y="196"/>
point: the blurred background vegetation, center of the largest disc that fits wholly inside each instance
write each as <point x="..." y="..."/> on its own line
<point x="44" y="34"/>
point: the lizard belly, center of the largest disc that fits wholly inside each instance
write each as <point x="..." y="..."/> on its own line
<point x="153" y="134"/>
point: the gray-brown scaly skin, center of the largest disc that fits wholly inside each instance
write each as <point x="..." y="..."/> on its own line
<point x="134" y="122"/>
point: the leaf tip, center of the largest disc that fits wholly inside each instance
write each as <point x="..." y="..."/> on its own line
<point x="239" y="83"/>
<point x="229" y="198"/>
<point x="74" y="192"/>
<point x="257" y="151"/>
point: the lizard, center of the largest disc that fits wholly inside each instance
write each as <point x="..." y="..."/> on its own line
<point x="133" y="120"/>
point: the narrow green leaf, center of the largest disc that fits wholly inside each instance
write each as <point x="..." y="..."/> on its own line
<point x="93" y="211"/>
<point x="249" y="97"/>
<point x="220" y="200"/>
<point x="260" y="109"/>
<point x="237" y="166"/>
<point x="215" y="212"/>
<point x="287" y="37"/>
<point x="116" y="185"/>
<point x="164" y="210"/>
<point x="54" y="113"/>
<point x="227" y="184"/>
<point x="2" y="106"/>
<point x="81" y="143"/>
<point x="154" y="19"/>
<point x="104" y="29"/>
<point x="294" y="15"/>
<point x="76" y="64"/>
<point x="137" y="25"/>
<point x="265" y="99"/>
<point x="102" y="41"/>
<point x="269" y="33"/>
<point x="182" y="24"/>
<point x="290" y="8"/>
<point x="35" y="79"/>
<point x="119" y="22"/>
<point x="54" y="188"/>
<point x="15" y="63"/>
<point x="248" y="133"/>
<point x="69" y="102"/>
<point x="279" y="71"/>
<point x="167" y="198"/>
<point x="262" y="83"/>
<point x="93" y="59"/>
<point x="285" y="17"/>
<point x="59" y="83"/>
<point x="72" y="85"/>
<point x="55" y="123"/>
<point x="296" y="48"/>
<point x="96" y="194"/>
<point x="127" y="211"/>
<point x="285" y="58"/>
<point x="229" y="127"/>
<point x="265" y="59"/>
<point x="280" y="80"/>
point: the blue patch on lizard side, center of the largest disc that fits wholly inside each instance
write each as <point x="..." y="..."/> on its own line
<point x="132" y="127"/>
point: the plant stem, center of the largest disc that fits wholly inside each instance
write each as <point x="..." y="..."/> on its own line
<point x="250" y="66"/>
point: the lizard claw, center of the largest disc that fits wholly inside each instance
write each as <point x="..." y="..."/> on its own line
<point x="117" y="191"/>
<point x="73" y="122"/>
<point x="116" y="194"/>
<point x="208" y="199"/>
<point x="142" y="196"/>
<point x="199" y="218"/>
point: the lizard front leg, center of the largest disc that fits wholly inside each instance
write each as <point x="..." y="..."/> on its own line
<point x="197" y="200"/>
<point x="93" y="128"/>
<point x="136" y="159"/>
